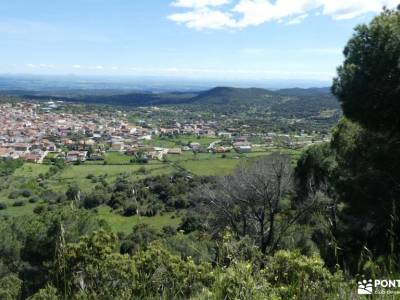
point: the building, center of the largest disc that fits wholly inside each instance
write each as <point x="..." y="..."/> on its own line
<point x="175" y="151"/>
<point x="74" y="156"/>
<point x="243" y="149"/>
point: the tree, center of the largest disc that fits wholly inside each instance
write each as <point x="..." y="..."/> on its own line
<point x="167" y="276"/>
<point x="10" y="287"/>
<point x="139" y="239"/>
<point x="367" y="182"/>
<point x="367" y="149"/>
<point x="72" y="192"/>
<point x="91" y="270"/>
<point x="368" y="82"/>
<point x="28" y="245"/>
<point x="314" y="169"/>
<point x="250" y="200"/>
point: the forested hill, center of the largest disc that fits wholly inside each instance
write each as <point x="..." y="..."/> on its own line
<point x="316" y="99"/>
<point x="228" y="95"/>
<point x="283" y="102"/>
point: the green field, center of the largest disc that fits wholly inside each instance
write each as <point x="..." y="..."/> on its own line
<point x="116" y="158"/>
<point x="120" y="223"/>
<point x="217" y="166"/>
<point x="201" y="164"/>
<point x="80" y="174"/>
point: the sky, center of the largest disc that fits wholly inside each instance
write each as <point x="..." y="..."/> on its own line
<point x="206" y="39"/>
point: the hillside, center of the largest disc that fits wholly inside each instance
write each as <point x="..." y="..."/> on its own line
<point x="315" y="98"/>
<point x="238" y="96"/>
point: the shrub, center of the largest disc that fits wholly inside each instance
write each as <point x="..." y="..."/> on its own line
<point x="14" y="194"/>
<point x="49" y="292"/>
<point x="39" y="209"/>
<point x="142" y="235"/>
<point x="33" y="199"/>
<point x="238" y="282"/>
<point x="167" y="276"/>
<point x="10" y="287"/>
<point x="294" y="275"/>
<point x="168" y="230"/>
<point x="50" y="196"/>
<point x="19" y="203"/>
<point x="90" y="176"/>
<point x="61" y="198"/>
<point x="3" y="206"/>
<point x="191" y="223"/>
<point x="72" y="192"/>
<point x="108" y="275"/>
<point x="130" y="210"/>
<point x="91" y="202"/>
<point x="26" y="193"/>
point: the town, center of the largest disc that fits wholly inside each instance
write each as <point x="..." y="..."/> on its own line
<point x="33" y="131"/>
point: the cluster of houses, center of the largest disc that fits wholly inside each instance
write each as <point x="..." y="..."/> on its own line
<point x="31" y="131"/>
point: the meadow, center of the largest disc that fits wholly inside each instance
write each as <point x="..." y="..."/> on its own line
<point x="115" y="164"/>
<point x="123" y="224"/>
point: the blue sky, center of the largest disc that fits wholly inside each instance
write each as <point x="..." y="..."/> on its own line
<point x="233" y="39"/>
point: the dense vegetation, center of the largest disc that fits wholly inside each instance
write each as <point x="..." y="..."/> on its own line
<point x="267" y="230"/>
<point x="359" y="169"/>
<point x="284" y="110"/>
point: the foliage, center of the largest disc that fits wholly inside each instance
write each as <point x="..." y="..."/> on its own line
<point x="294" y="276"/>
<point x="161" y="273"/>
<point x="89" y="268"/>
<point x="142" y="235"/>
<point x="10" y="287"/>
<point x="251" y="200"/>
<point x="368" y="81"/>
<point x="47" y="293"/>
<point x="239" y="282"/>
<point x="359" y="171"/>
<point x="28" y="244"/>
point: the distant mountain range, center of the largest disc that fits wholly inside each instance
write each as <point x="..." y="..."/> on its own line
<point x="51" y="83"/>
<point x="287" y="103"/>
<point x="214" y="96"/>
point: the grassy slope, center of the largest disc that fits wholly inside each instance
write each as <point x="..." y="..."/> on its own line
<point x="202" y="164"/>
<point x="124" y="224"/>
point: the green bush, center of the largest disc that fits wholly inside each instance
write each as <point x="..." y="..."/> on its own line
<point x="165" y="275"/>
<point x="295" y="276"/>
<point x="47" y="293"/>
<point x="26" y="193"/>
<point x="19" y="203"/>
<point x="33" y="199"/>
<point x="238" y="282"/>
<point x="14" y="194"/>
<point x="10" y="287"/>
<point x="40" y="209"/>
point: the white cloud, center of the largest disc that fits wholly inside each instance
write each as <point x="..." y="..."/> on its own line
<point x="216" y="14"/>
<point x="76" y="66"/>
<point x="204" y="18"/>
<point x="297" y="20"/>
